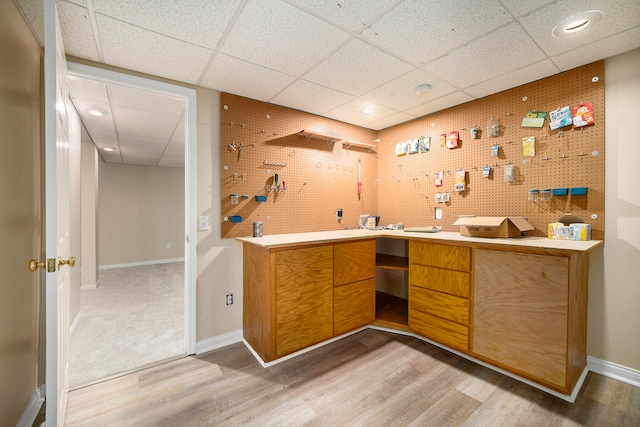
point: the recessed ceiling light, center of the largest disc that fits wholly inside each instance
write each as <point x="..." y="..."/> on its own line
<point x="577" y="23"/>
<point x="97" y="112"/>
<point x="422" y="89"/>
<point x="368" y="110"/>
<point x="108" y="149"/>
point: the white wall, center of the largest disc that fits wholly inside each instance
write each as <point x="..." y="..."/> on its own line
<point x="218" y="261"/>
<point x="75" y="137"/>
<point x="88" y="214"/>
<point x="614" y="289"/>
<point x="140" y="211"/>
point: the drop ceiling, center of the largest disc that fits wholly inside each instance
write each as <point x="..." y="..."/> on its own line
<point x="335" y="57"/>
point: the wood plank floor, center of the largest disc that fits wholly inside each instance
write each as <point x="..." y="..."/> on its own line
<point x="371" y="378"/>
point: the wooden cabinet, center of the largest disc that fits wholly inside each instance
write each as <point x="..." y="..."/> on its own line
<point x="297" y="297"/>
<point x="521" y="309"/>
<point x="439" y="292"/>
<point x="530" y="314"/>
<point x="354" y="292"/>
<point x="304" y="297"/>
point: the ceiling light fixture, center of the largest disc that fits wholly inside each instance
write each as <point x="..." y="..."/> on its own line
<point x="368" y="110"/>
<point x="108" y="149"/>
<point x="422" y="89"/>
<point x="577" y="23"/>
<point x="97" y="112"/>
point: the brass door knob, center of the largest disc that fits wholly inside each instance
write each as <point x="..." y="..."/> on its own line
<point x="34" y="265"/>
<point x="71" y="261"/>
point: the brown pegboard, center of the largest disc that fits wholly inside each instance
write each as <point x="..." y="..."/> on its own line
<point x="321" y="175"/>
<point x="563" y="158"/>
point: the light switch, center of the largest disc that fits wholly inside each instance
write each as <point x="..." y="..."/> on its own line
<point x="203" y="222"/>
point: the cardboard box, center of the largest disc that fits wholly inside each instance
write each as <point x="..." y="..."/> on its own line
<point x="493" y="226"/>
<point x="581" y="231"/>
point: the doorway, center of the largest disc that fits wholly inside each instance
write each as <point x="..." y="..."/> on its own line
<point x="143" y="295"/>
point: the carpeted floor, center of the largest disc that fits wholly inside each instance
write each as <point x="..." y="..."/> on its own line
<point x="135" y="318"/>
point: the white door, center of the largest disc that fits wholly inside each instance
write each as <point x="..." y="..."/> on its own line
<point x="56" y="218"/>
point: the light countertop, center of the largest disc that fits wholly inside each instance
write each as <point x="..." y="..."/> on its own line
<point x="300" y="239"/>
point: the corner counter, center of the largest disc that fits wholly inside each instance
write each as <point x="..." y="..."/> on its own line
<point x="518" y="305"/>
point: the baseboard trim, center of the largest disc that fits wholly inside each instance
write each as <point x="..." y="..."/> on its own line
<point x="298" y="353"/>
<point x="75" y="324"/>
<point x="141" y="263"/>
<point x="31" y="411"/>
<point x="613" y="370"/>
<point x="90" y="287"/>
<point x="218" y="341"/>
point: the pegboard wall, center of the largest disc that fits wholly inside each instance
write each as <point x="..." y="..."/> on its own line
<point x="564" y="158"/>
<point x="321" y="172"/>
<point x="318" y="169"/>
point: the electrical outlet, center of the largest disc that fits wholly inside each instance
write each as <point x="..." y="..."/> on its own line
<point x="339" y="214"/>
<point x="168" y="245"/>
<point x="229" y="299"/>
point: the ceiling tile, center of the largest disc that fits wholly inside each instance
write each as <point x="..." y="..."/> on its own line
<point x="356" y="68"/>
<point x="399" y="94"/>
<point x="611" y="46"/>
<point x="619" y="15"/>
<point x="282" y="37"/>
<point x="77" y="32"/>
<point x="140" y="160"/>
<point x="171" y="162"/>
<point x="95" y="124"/>
<point x="144" y="124"/>
<point x="389" y="121"/>
<point x="519" y="7"/>
<point x="153" y="54"/>
<point x="88" y="90"/>
<point x="111" y="156"/>
<point x="352" y="14"/>
<point x="504" y="50"/>
<point x="515" y="78"/>
<point x="439" y="104"/>
<point x="316" y="100"/>
<point x="174" y="149"/>
<point x="104" y="140"/>
<point x="350" y="112"/>
<point x="178" y="136"/>
<point x="232" y="75"/>
<point x="201" y="22"/>
<point x="34" y="12"/>
<point x="146" y="100"/>
<point x="141" y="146"/>
<point x="423" y="30"/>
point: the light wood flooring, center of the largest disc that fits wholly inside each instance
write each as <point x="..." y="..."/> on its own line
<point x="371" y="378"/>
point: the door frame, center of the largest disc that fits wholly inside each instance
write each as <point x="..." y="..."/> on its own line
<point x="189" y="96"/>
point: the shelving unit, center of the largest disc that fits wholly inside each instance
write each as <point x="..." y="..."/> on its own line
<point x="368" y="147"/>
<point x="392" y="311"/>
<point x="314" y="135"/>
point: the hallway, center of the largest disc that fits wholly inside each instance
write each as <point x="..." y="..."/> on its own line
<point x="135" y="318"/>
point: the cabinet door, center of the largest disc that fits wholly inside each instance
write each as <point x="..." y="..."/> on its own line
<point x="354" y="305"/>
<point x="304" y="298"/>
<point x="354" y="261"/>
<point x="520" y="312"/>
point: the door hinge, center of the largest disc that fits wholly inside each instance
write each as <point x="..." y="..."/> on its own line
<point x="51" y="265"/>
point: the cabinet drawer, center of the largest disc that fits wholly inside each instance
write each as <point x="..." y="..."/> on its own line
<point x="354" y="305"/>
<point x="353" y="262"/>
<point x="442" y="256"/>
<point x="443" y="331"/>
<point x="437" y="279"/>
<point x="438" y="304"/>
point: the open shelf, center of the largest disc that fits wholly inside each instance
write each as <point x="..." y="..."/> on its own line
<point x="391" y="311"/>
<point x="392" y="262"/>
<point x="314" y="135"/>
<point x="368" y="147"/>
